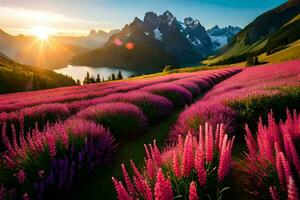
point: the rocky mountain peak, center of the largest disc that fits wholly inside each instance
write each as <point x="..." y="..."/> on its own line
<point x="192" y="23"/>
<point x="151" y="20"/>
<point x="169" y="18"/>
<point x="216" y="27"/>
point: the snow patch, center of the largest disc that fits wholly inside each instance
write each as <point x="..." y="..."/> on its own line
<point x="195" y="41"/>
<point x="158" y="35"/>
<point x="222" y="40"/>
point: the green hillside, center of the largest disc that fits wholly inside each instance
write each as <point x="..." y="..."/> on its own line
<point x="270" y="32"/>
<point x="15" y="77"/>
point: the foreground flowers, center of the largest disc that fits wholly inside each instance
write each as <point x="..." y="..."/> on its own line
<point x="194" y="168"/>
<point x="48" y="163"/>
<point x="272" y="161"/>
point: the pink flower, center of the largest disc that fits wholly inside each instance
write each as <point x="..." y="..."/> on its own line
<point x="292" y="189"/>
<point x="294" y="154"/>
<point x="279" y="168"/>
<point x="250" y="142"/>
<point x="141" y="184"/>
<point x="128" y="182"/>
<point x="21" y="176"/>
<point x="286" y="167"/>
<point x="163" y="188"/>
<point x="121" y="191"/>
<point x="200" y="165"/>
<point x="223" y="160"/>
<point x="25" y="196"/>
<point x="156" y="154"/>
<point x="151" y="168"/>
<point x="51" y="145"/>
<point x="209" y="143"/>
<point x="193" y="192"/>
<point x="176" y="165"/>
<point x="274" y="193"/>
<point x="187" y="160"/>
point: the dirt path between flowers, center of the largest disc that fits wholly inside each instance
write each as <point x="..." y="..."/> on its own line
<point x="99" y="185"/>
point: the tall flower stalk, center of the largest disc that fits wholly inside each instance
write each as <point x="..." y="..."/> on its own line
<point x="272" y="161"/>
<point x="194" y="168"/>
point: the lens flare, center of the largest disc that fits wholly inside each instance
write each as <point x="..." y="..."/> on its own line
<point x="130" y="46"/>
<point x="118" y="42"/>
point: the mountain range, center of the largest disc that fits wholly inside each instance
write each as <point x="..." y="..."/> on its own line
<point x="56" y="52"/>
<point x="155" y="41"/>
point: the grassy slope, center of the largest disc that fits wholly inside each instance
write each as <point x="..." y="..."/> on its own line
<point x="297" y="18"/>
<point x="187" y="70"/>
<point x="240" y="46"/>
<point x="291" y="52"/>
<point x="15" y="77"/>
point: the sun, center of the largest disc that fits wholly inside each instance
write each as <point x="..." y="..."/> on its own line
<point x="41" y="32"/>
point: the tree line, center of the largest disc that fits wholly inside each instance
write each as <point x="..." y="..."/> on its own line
<point x="88" y="79"/>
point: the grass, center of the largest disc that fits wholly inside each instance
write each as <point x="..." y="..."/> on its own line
<point x="99" y="185"/>
<point x="291" y="52"/>
<point x="184" y="70"/>
<point x="250" y="109"/>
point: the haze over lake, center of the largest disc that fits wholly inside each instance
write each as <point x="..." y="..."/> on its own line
<point x="79" y="72"/>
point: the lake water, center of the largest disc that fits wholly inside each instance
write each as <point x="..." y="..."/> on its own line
<point x="79" y="72"/>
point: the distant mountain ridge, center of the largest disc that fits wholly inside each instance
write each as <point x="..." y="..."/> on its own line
<point x="222" y="36"/>
<point x="158" y="40"/>
<point x="93" y="40"/>
<point x="57" y="51"/>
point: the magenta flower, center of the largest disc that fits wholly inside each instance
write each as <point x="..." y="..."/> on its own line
<point x="128" y="182"/>
<point x="292" y="189"/>
<point x="163" y="188"/>
<point x="177" y="166"/>
<point x="193" y="192"/>
<point x="21" y="176"/>
<point x="274" y="193"/>
<point x="272" y="158"/>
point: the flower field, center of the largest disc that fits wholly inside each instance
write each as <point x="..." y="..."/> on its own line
<point x="244" y="98"/>
<point x="52" y="139"/>
<point x="87" y="141"/>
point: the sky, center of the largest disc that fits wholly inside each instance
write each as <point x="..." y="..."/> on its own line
<point x="77" y="17"/>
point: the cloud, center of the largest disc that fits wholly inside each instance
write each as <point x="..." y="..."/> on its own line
<point x="17" y="13"/>
<point x="20" y="20"/>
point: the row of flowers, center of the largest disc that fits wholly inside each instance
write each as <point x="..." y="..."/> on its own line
<point x="9" y="102"/>
<point x="233" y="98"/>
<point x="155" y="101"/>
<point x="198" y="166"/>
<point x="44" y="158"/>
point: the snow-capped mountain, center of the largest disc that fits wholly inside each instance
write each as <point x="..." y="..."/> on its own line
<point x="221" y="36"/>
<point x="196" y="34"/>
<point x="158" y="40"/>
